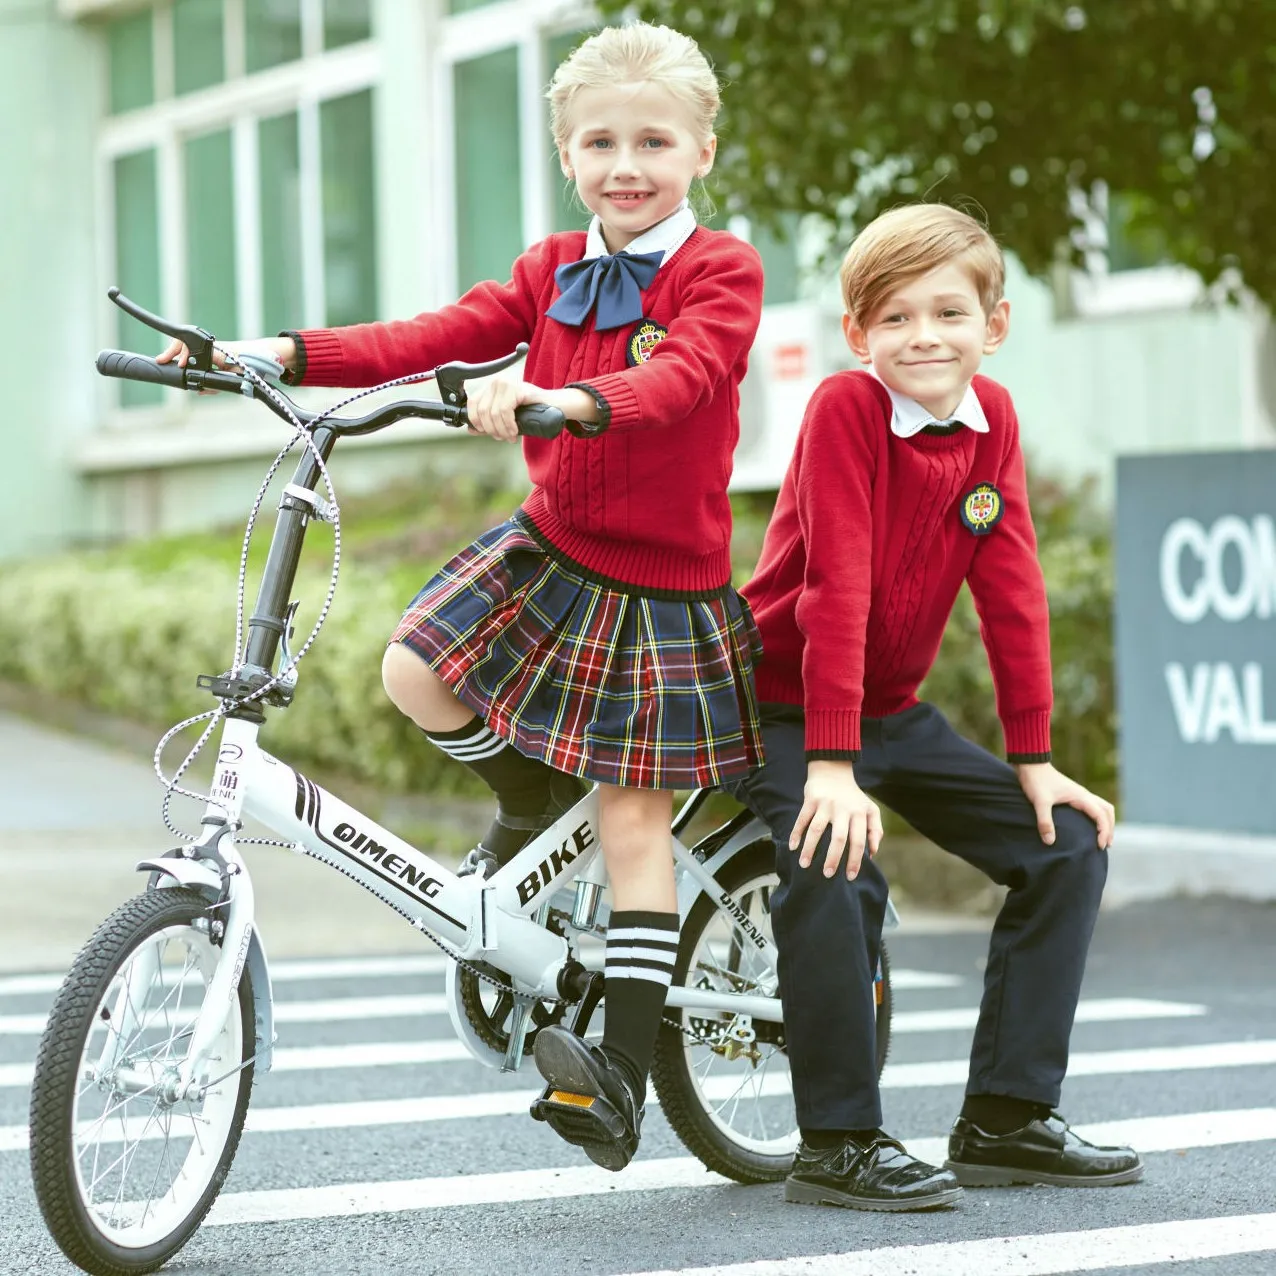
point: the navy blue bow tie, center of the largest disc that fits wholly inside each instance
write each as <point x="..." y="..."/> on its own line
<point x="613" y="283"/>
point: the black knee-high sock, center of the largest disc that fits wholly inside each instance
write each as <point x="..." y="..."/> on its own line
<point x="641" y="950"/>
<point x="521" y="784"/>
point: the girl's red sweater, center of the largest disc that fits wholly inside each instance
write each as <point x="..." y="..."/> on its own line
<point x="644" y="503"/>
<point x="864" y="557"/>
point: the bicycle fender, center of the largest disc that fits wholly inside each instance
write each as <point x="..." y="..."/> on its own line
<point x="202" y="876"/>
<point x="185" y="872"/>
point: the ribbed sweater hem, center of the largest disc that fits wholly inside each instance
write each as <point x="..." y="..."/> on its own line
<point x="322" y="360"/>
<point x="835" y="731"/>
<point x="616" y="390"/>
<point x="644" y="566"/>
<point x="1027" y="733"/>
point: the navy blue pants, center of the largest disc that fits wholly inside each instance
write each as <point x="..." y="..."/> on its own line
<point x="828" y="930"/>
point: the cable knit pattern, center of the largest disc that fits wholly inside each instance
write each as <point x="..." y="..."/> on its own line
<point x="864" y="558"/>
<point x="644" y="503"/>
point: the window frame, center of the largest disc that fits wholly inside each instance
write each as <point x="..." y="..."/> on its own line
<point x="525" y="25"/>
<point x="238" y="103"/>
<point x="1096" y="291"/>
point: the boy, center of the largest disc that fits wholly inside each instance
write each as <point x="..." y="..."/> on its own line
<point x="907" y="479"/>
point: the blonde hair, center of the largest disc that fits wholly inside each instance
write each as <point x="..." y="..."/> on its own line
<point x="630" y="54"/>
<point x="908" y="242"/>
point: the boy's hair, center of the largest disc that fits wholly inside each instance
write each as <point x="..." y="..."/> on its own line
<point x="633" y="53"/>
<point x="908" y="242"/>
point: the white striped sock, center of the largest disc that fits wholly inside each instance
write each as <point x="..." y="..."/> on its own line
<point x="482" y="743"/>
<point x="641" y="952"/>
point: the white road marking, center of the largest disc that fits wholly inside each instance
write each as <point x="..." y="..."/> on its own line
<point x="897" y="1076"/>
<point x="1056" y="1253"/>
<point x="340" y="1200"/>
<point x="1212" y="1127"/>
<point x="425" y="964"/>
<point x="341" y="1009"/>
<point x="1102" y="1010"/>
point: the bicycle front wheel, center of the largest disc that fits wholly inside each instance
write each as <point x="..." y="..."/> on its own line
<point x="125" y="1168"/>
<point x="723" y="1080"/>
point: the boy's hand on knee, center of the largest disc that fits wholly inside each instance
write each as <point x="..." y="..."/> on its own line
<point x="833" y="801"/>
<point x="1047" y="788"/>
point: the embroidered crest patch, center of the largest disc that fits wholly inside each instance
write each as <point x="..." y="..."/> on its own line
<point x="982" y="508"/>
<point x="642" y="341"/>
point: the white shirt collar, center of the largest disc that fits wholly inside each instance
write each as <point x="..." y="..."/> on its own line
<point x="665" y="236"/>
<point x="911" y="418"/>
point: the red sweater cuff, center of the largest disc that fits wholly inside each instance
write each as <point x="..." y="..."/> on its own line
<point x="324" y="360"/>
<point x="833" y="731"/>
<point x="617" y="389"/>
<point x="1027" y="733"/>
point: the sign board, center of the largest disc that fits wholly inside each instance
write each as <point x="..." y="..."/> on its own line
<point x="1196" y="639"/>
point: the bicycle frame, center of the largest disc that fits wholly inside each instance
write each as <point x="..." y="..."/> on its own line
<point x="479" y="919"/>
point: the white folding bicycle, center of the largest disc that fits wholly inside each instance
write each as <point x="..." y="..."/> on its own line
<point x="146" y="1067"/>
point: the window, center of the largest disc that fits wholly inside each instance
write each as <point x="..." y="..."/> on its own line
<point x="132" y="63"/>
<point x="272" y="33"/>
<point x="279" y="181"/>
<point x="210" y="233"/>
<point x="345" y="22"/>
<point x="137" y="270"/>
<point x="253" y="209"/>
<point x="349" y="216"/>
<point x="199" y="53"/>
<point x="779" y="252"/>
<point x="568" y="213"/>
<point x="489" y="228"/>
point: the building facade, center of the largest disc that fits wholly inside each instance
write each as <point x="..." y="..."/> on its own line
<point x="257" y="164"/>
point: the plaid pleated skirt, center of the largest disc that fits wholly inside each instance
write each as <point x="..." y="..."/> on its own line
<point x="593" y="678"/>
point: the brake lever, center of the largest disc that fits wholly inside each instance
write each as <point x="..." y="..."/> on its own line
<point x="451" y="377"/>
<point x="198" y="341"/>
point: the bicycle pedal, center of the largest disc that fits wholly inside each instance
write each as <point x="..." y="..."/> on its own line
<point x="589" y="1122"/>
<point x="553" y="1101"/>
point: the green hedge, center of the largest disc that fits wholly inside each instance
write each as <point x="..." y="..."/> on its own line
<point x="127" y="630"/>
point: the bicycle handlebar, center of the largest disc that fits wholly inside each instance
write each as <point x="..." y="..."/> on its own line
<point x="137" y="367"/>
<point x="535" y="420"/>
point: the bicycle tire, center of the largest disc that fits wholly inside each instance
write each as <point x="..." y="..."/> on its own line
<point x="81" y="1004"/>
<point x="687" y="1107"/>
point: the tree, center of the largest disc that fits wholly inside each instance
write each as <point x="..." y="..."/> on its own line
<point x="845" y="107"/>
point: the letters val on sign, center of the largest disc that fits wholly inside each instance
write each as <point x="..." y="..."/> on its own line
<point x="1196" y="639"/>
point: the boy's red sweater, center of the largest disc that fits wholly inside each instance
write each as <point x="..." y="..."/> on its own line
<point x="645" y="503"/>
<point x="864" y="558"/>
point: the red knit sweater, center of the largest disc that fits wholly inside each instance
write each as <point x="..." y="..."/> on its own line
<point x="864" y="558"/>
<point x="644" y="503"/>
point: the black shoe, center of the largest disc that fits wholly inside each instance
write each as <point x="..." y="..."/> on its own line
<point x="588" y="1101"/>
<point x="1044" y="1151"/>
<point x="508" y="834"/>
<point x="875" y="1174"/>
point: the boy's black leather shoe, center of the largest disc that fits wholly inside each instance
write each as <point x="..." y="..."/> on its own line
<point x="508" y="834"/>
<point x="876" y="1174"/>
<point x="588" y="1101"/>
<point x="1044" y="1151"/>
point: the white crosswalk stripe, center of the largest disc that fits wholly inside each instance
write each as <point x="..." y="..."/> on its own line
<point x="323" y="1072"/>
<point x="420" y="1005"/>
<point x="1055" y="1254"/>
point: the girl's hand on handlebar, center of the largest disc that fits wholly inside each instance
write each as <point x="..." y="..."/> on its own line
<point x="283" y="349"/>
<point x="492" y="400"/>
<point x="490" y="404"/>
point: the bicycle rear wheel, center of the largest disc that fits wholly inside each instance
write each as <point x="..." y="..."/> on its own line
<point x="724" y="1083"/>
<point x="124" y="1168"/>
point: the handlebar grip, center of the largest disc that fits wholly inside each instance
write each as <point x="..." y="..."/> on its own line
<point x="539" y="421"/>
<point x="137" y="367"/>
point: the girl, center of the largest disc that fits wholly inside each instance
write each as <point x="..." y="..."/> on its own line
<point x="595" y="634"/>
